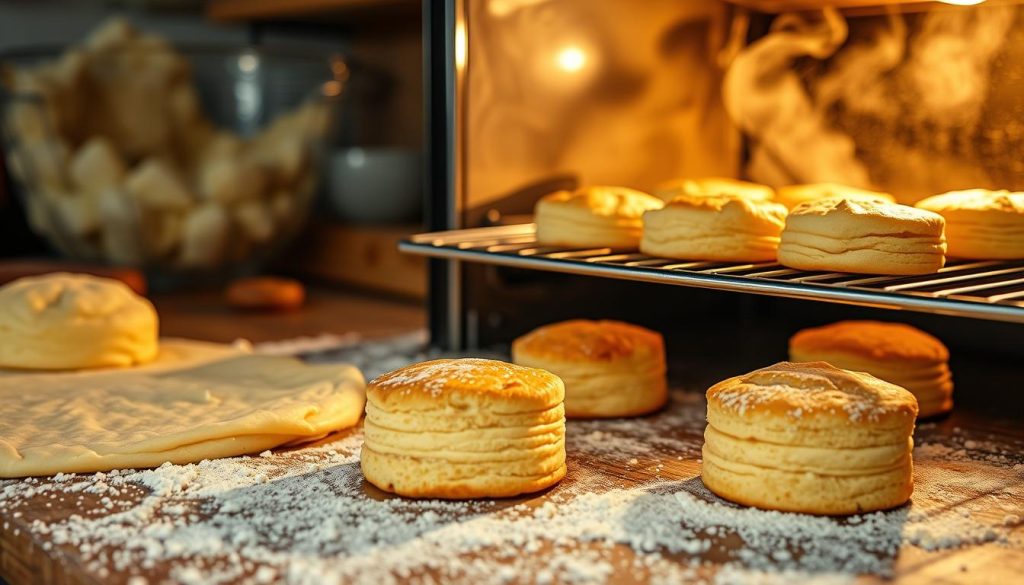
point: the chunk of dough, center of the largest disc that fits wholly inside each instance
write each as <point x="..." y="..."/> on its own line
<point x="64" y="321"/>
<point x="163" y="412"/>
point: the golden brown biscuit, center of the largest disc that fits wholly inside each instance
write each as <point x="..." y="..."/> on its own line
<point x="464" y="428"/>
<point x="266" y="293"/>
<point x="809" y="438"/>
<point x="593" y="216"/>
<point x="981" y="224"/>
<point x="871" y="237"/>
<point x="610" y="369"/>
<point x="794" y="195"/>
<point x="894" y="352"/>
<point x="715" y="228"/>
<point x="713" y="187"/>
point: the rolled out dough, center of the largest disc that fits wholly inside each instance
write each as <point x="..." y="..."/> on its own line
<point x="196" y="401"/>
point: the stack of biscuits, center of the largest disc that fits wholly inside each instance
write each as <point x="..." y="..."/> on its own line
<point x="809" y="438"/>
<point x="464" y="428"/>
<point x="981" y="224"/>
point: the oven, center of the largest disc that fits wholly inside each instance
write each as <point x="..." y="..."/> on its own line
<point x="527" y="97"/>
<point x="531" y="96"/>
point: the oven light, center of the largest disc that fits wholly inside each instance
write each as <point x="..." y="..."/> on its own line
<point x="571" y="59"/>
<point x="460" y="45"/>
<point x="962" y="2"/>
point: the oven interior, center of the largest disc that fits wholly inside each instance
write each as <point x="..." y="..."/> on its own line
<point x="530" y="96"/>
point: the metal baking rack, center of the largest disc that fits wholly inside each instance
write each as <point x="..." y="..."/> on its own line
<point x="991" y="290"/>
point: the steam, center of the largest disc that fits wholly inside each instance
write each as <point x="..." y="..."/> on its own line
<point x="767" y="99"/>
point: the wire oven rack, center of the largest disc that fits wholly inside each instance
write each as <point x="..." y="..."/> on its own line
<point x="991" y="290"/>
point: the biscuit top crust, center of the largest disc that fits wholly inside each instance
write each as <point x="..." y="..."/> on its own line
<point x="733" y="206"/>
<point x="793" y="195"/>
<point x="814" y="390"/>
<point x="491" y="384"/>
<point x="714" y="187"/>
<point x="581" y="340"/>
<point x="604" y="201"/>
<point x="839" y="218"/>
<point x="975" y="200"/>
<point x="872" y="339"/>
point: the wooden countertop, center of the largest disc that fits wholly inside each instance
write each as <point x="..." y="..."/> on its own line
<point x="969" y="484"/>
<point x="968" y="479"/>
<point x="207" y="317"/>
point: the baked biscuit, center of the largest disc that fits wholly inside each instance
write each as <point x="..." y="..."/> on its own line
<point x="981" y="224"/>
<point x="894" y="352"/>
<point x="809" y="438"/>
<point x="464" y="428"/>
<point x="872" y="237"/>
<point x="610" y="369"/>
<point x="593" y="216"/>
<point x="713" y="187"/>
<point x="715" y="228"/>
<point x="794" y="195"/>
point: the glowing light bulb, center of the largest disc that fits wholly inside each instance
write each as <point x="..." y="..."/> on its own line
<point x="571" y="59"/>
<point x="460" y="45"/>
<point x="962" y="2"/>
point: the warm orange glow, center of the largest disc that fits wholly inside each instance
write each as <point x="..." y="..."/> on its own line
<point x="571" y="59"/>
<point x="962" y="2"/>
<point x="460" y="45"/>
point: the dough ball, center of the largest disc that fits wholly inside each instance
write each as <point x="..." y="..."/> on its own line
<point x="64" y="321"/>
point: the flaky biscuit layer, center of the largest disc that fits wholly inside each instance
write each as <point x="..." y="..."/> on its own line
<point x="593" y="217"/>
<point x="981" y="224"/>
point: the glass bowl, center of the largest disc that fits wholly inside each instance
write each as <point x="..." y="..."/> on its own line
<point x="186" y="162"/>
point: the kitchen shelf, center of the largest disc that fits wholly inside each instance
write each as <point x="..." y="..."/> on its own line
<point x="979" y="289"/>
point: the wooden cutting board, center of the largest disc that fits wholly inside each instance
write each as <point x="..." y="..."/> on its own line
<point x="969" y="462"/>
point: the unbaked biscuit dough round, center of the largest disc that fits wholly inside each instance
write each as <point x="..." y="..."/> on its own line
<point x="863" y="236"/>
<point x="714" y="228"/>
<point x="809" y="438"/>
<point x="464" y="428"/>
<point x="593" y="216"/>
<point x="64" y="321"/>
<point x="981" y="224"/>
<point x="195" y="401"/>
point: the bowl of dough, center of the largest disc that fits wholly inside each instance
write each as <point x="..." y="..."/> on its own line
<point x="127" y="150"/>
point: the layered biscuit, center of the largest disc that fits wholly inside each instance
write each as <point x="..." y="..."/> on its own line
<point x="809" y="438"/>
<point x="593" y="217"/>
<point x="714" y="228"/>
<point x="871" y="237"/>
<point x="981" y="224"/>
<point x="610" y="369"/>
<point x="464" y="428"/>
<point x="894" y="352"/>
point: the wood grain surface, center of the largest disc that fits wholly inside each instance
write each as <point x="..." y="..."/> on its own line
<point x="28" y="558"/>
